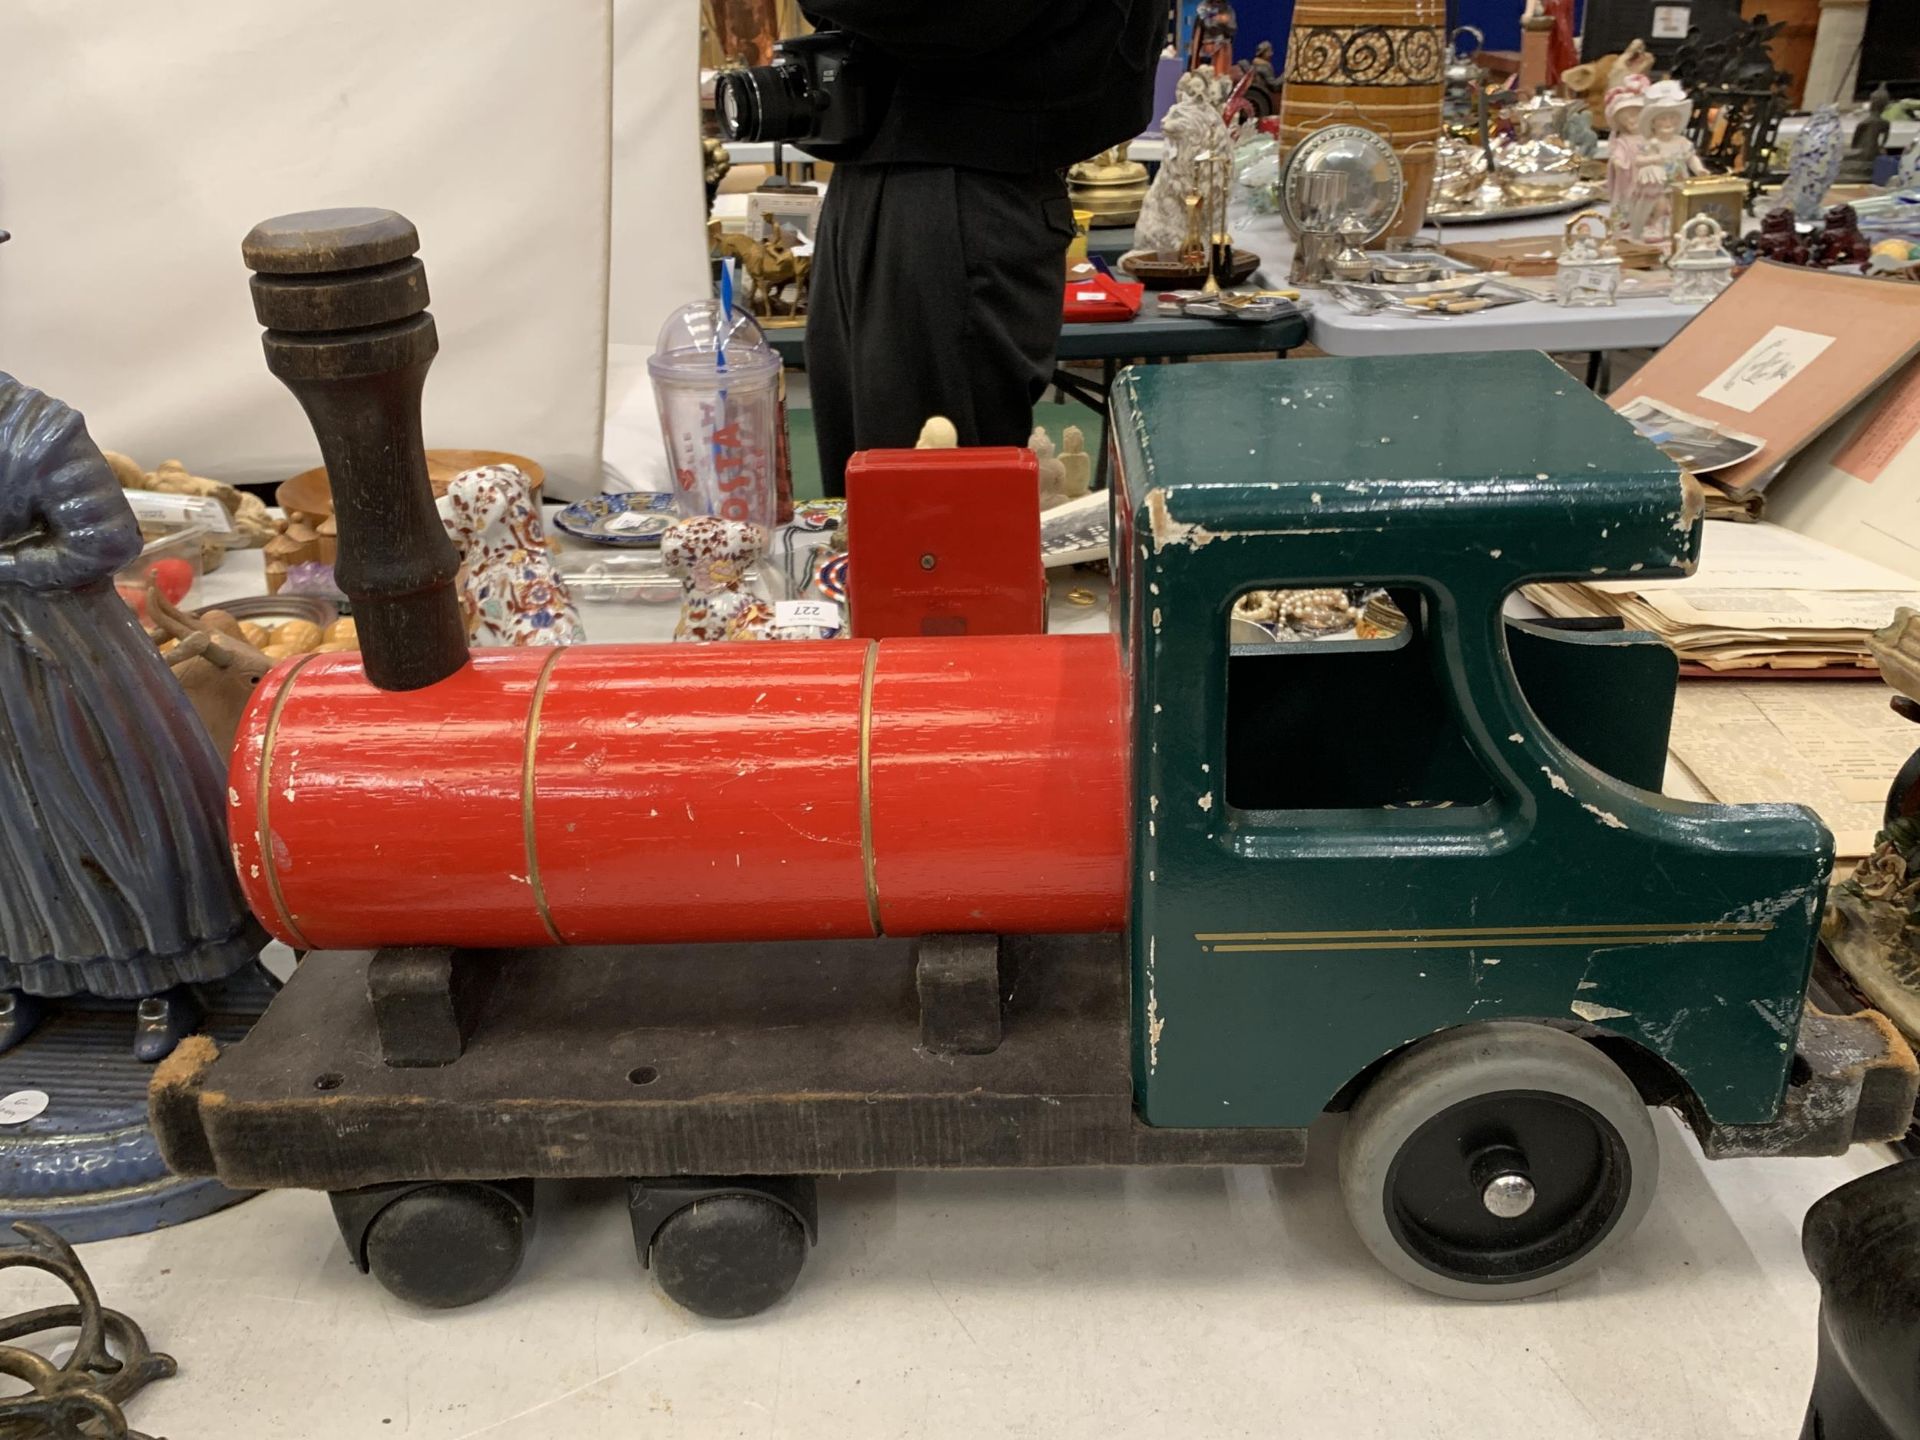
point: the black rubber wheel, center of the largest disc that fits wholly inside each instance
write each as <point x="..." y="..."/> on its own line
<point x="446" y="1245"/>
<point x="1497" y="1161"/>
<point x="728" y="1256"/>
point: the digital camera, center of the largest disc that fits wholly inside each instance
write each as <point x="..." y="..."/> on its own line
<point x="813" y="91"/>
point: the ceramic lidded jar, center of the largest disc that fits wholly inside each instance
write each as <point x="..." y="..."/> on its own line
<point x="1701" y="266"/>
<point x="1588" y="270"/>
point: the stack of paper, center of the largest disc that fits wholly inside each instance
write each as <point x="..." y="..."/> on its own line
<point x="1832" y="744"/>
<point x="1780" y="355"/>
<point x="1077" y="531"/>
<point x="1763" y="596"/>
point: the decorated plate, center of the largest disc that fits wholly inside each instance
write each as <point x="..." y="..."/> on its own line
<point x="824" y="514"/>
<point x="831" y="578"/>
<point x="632" y="521"/>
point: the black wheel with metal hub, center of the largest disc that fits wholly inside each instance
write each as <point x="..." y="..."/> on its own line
<point x="1497" y="1161"/>
<point x="444" y="1246"/>
<point x="724" y="1249"/>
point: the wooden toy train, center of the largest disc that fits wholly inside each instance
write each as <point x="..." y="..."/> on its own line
<point x="721" y="919"/>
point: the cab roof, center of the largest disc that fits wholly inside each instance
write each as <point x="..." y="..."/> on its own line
<point x="1507" y="449"/>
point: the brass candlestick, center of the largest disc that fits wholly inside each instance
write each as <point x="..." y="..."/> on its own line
<point x="1220" y="271"/>
<point x="1194" y="250"/>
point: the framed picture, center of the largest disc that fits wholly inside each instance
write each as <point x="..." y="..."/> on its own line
<point x="1670" y="22"/>
<point x="1724" y="197"/>
<point x="797" y="214"/>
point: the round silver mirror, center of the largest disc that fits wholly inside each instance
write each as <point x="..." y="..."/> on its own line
<point x="1374" y="182"/>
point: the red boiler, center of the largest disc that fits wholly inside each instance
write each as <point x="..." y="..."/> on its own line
<point x="652" y="793"/>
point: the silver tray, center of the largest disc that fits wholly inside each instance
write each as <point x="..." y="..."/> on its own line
<point x="1375" y="182"/>
<point x="1447" y="265"/>
<point x="1579" y="195"/>
<point x="1360" y="299"/>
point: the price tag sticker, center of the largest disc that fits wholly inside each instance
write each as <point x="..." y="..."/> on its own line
<point x="22" y="1106"/>
<point x="638" y="520"/>
<point x="825" y="613"/>
<point x="166" y="509"/>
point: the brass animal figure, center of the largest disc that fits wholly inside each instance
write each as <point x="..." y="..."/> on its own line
<point x="772" y="266"/>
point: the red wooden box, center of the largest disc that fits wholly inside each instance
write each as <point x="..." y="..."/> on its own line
<point x="945" y="542"/>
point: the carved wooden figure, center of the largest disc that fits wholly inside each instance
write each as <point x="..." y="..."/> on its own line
<point x="1779" y="240"/>
<point x="1838" y="241"/>
<point x="114" y="871"/>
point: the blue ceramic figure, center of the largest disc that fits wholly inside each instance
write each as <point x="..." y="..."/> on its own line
<point x="1906" y="175"/>
<point x="115" y="879"/>
<point x="1579" y="131"/>
<point x="1814" y="164"/>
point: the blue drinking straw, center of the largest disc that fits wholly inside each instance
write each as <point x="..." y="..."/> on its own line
<point x="720" y="363"/>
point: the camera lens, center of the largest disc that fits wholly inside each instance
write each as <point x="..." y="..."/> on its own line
<point x="733" y="97"/>
<point x="766" y="102"/>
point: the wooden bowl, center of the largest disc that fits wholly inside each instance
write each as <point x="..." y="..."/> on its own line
<point x="1172" y="272"/>
<point x="309" y="493"/>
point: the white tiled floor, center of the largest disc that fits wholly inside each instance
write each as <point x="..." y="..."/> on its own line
<point x="1099" y="1304"/>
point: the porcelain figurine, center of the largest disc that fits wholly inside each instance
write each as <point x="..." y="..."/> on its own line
<point x="938" y="433"/>
<point x="1907" y="175"/>
<point x="1814" y="163"/>
<point x="711" y="557"/>
<point x="509" y="589"/>
<point x="1779" y="239"/>
<point x="1588" y="269"/>
<point x="1193" y="128"/>
<point x="1076" y="464"/>
<point x="1624" y="107"/>
<point x="1595" y="80"/>
<point x="1664" y="157"/>
<point x="1577" y="130"/>
<point x="1701" y="266"/>
<point x="1053" y="475"/>
<point x="115" y="876"/>
<point x="1838" y="241"/>
<point x="1211" y="47"/>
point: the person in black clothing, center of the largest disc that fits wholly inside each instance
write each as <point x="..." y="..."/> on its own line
<point x="938" y="271"/>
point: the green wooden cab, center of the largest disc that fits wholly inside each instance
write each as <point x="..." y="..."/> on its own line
<point x="1341" y="848"/>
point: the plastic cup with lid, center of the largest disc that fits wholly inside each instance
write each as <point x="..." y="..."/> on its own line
<point x="716" y="381"/>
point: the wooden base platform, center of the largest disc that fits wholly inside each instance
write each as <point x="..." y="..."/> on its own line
<point x="761" y="1059"/>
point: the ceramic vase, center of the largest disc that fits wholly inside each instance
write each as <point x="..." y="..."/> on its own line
<point x="1814" y="164"/>
<point x="1378" y="63"/>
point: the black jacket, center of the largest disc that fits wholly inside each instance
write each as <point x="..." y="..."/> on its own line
<point x="1009" y="85"/>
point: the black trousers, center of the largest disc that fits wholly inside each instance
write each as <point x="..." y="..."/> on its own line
<point x="935" y="291"/>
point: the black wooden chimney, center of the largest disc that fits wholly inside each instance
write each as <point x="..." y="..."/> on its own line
<point x="344" y="299"/>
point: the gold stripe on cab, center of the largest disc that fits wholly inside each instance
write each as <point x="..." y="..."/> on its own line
<point x="1423" y="932"/>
